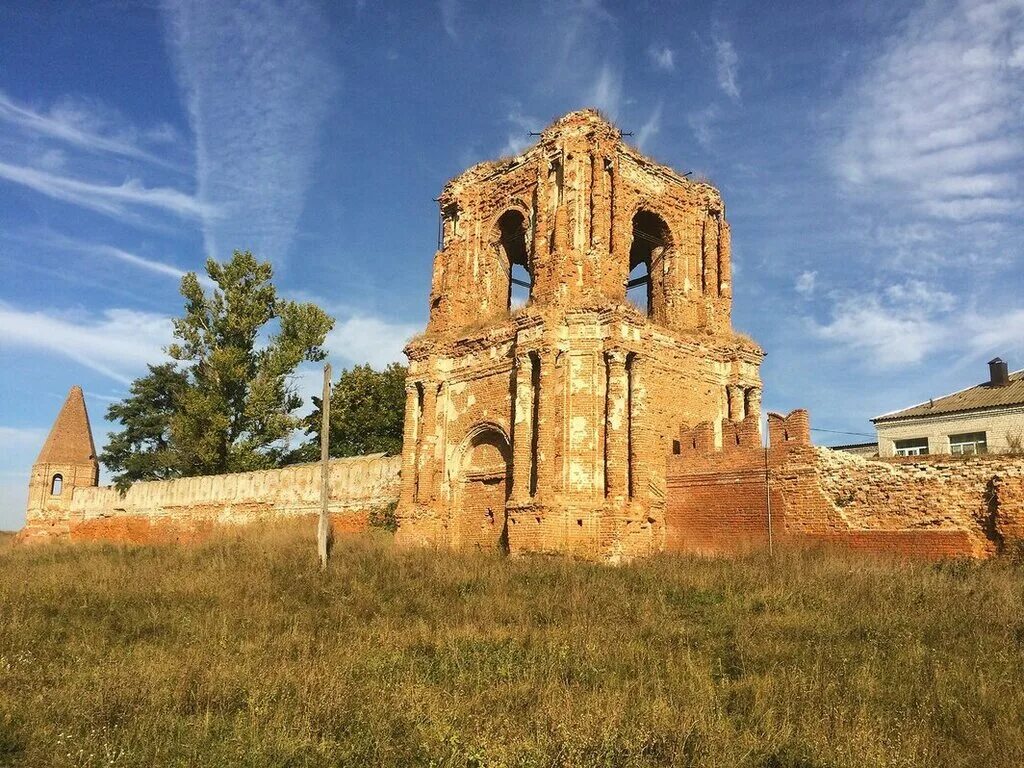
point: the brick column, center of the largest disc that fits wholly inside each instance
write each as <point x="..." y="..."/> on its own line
<point x="522" y="430"/>
<point x="753" y="402"/>
<point x="724" y="260"/>
<point x="425" y="459"/>
<point x="410" y="446"/>
<point x="710" y="281"/>
<point x="549" y="428"/>
<point x="642" y="440"/>
<point x="735" y="402"/>
<point x="616" y="440"/>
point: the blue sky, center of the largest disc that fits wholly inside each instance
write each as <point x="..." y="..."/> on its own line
<point x="870" y="156"/>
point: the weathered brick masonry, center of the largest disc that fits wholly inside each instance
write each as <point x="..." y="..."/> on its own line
<point x="555" y="426"/>
<point x="546" y="427"/>
<point x="551" y="427"/>
<point x="720" y="500"/>
<point x="66" y="502"/>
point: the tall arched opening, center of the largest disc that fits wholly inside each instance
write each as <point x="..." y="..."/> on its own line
<point x="651" y="242"/>
<point x="482" y="490"/>
<point x="514" y="257"/>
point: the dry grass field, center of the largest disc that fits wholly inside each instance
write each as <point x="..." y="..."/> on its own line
<point x="240" y="652"/>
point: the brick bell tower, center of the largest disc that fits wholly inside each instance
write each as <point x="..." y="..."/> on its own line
<point x="579" y="313"/>
<point x="67" y="461"/>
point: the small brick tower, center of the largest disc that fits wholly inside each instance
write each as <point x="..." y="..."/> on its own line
<point x="67" y="461"/>
<point x="547" y="426"/>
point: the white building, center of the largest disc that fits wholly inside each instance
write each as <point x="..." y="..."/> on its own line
<point x="985" y="418"/>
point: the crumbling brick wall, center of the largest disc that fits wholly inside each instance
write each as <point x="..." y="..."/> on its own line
<point x="190" y="508"/>
<point x="1006" y="505"/>
<point x="720" y="500"/>
<point x="579" y="386"/>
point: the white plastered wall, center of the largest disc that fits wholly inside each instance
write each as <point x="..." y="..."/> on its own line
<point x="1000" y="425"/>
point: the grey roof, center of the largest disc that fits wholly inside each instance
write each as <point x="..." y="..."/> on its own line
<point x="977" y="398"/>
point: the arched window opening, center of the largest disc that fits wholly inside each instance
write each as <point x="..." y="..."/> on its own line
<point x="638" y="289"/>
<point x="57" y="485"/>
<point x="651" y="239"/>
<point x="521" y="285"/>
<point x="514" y="257"/>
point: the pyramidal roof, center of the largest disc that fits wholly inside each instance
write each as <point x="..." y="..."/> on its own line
<point x="70" y="439"/>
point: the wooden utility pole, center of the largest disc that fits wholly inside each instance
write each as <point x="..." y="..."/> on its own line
<point x="323" y="529"/>
<point x="768" y="501"/>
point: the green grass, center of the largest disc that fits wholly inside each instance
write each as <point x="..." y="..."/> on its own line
<point x="240" y="652"/>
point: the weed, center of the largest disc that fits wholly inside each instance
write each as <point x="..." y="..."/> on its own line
<point x="240" y="651"/>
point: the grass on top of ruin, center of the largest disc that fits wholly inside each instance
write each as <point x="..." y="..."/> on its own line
<point x="240" y="652"/>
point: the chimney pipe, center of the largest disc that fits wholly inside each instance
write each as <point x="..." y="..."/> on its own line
<point x="998" y="373"/>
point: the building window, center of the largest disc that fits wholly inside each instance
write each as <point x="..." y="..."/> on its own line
<point x="917" y="446"/>
<point x="651" y="240"/>
<point x="514" y="258"/>
<point x="971" y="442"/>
<point x="57" y="485"/>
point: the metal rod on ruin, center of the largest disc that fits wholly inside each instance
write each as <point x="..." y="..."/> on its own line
<point x="323" y="528"/>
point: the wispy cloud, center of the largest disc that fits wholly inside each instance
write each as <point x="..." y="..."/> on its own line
<point x="105" y="251"/>
<point x="910" y="321"/>
<point x="117" y="343"/>
<point x="521" y="125"/>
<point x="113" y="200"/>
<point x="14" y="438"/>
<point x="150" y="265"/>
<point x="367" y="339"/>
<point x="69" y="123"/>
<point x="257" y="82"/>
<point x="606" y="92"/>
<point x="702" y="123"/>
<point x="805" y="283"/>
<point x="650" y="128"/>
<point x="935" y="122"/>
<point x="662" y="57"/>
<point x="449" y="16"/>
<point x="53" y="160"/>
<point x="727" y="63"/>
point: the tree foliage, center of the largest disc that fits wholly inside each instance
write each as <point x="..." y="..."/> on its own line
<point x="235" y="350"/>
<point x="142" y="450"/>
<point x="367" y="414"/>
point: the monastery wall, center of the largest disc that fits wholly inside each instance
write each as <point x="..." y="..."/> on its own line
<point x="189" y="508"/>
<point x="719" y="499"/>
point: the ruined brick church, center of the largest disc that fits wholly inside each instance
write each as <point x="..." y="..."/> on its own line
<point x="548" y="425"/>
<point x="579" y="389"/>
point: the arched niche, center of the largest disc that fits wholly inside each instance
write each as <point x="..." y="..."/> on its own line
<point x="482" y="488"/>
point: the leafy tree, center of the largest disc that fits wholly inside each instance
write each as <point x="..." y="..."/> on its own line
<point x="367" y="414"/>
<point x="237" y="347"/>
<point x="142" y="450"/>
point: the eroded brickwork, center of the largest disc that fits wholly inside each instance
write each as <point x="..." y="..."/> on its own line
<point x="576" y="393"/>
<point x="554" y="426"/>
<point x="188" y="508"/>
<point x="721" y="500"/>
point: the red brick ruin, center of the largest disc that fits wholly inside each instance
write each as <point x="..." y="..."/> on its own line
<point x="579" y="389"/>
